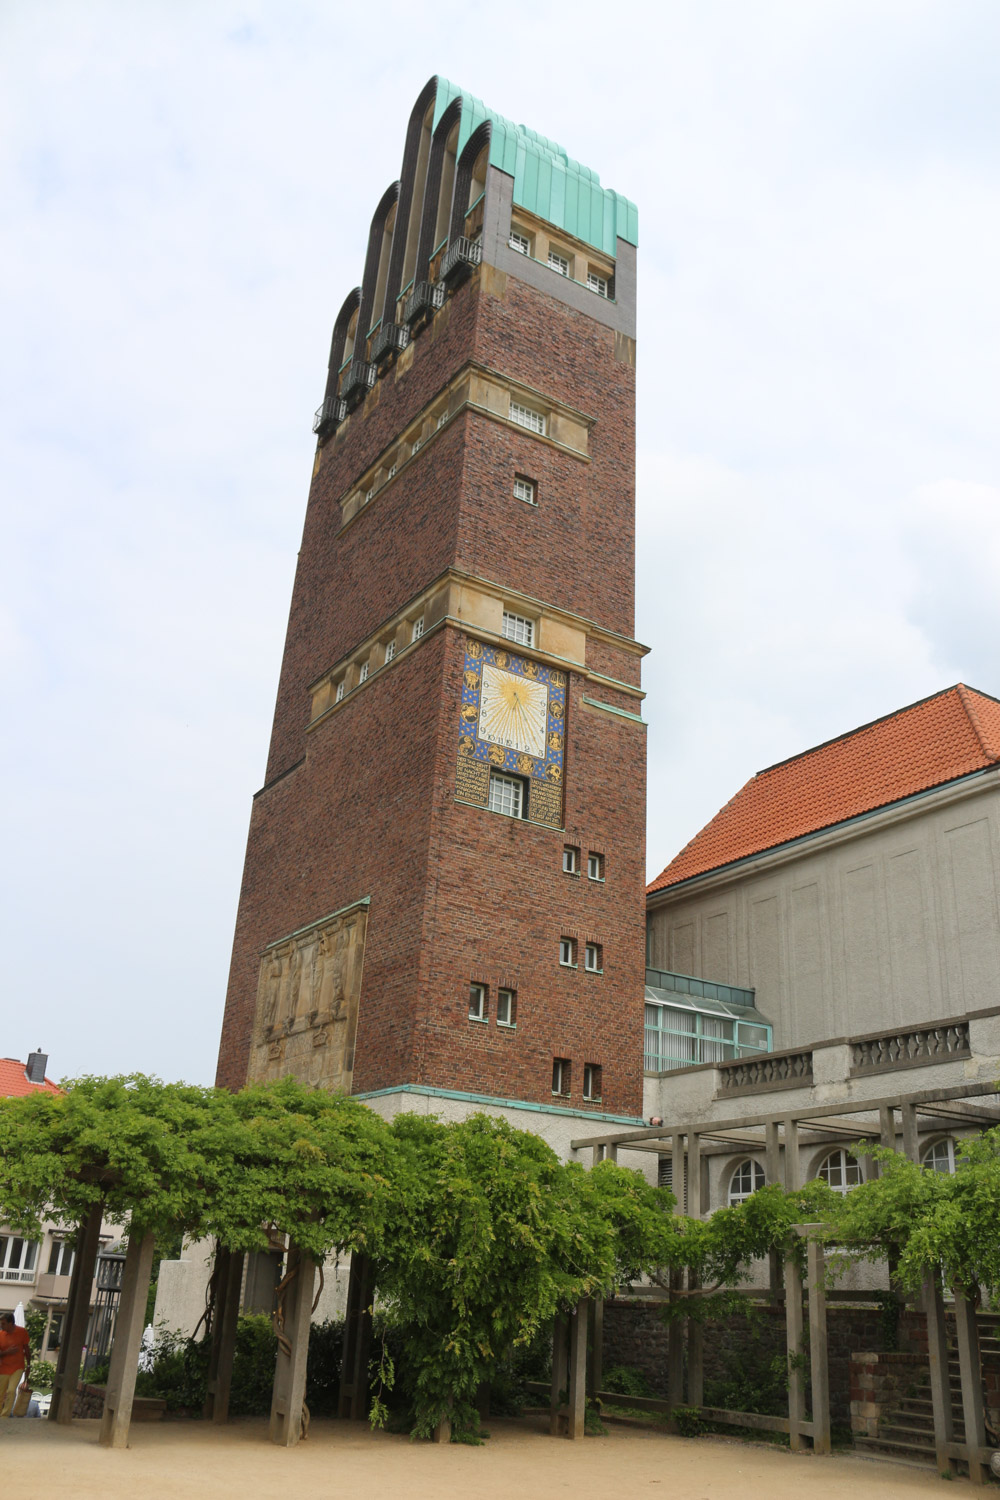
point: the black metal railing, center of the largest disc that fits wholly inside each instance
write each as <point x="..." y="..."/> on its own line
<point x="423" y="301"/>
<point x="390" y="339"/>
<point x="358" y="382"/>
<point x="332" y="412"/>
<point x="461" y="256"/>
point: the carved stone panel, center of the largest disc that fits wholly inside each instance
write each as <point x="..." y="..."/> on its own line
<point x="307" y="1003"/>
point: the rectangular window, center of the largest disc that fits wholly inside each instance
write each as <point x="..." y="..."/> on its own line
<point x="597" y="283"/>
<point x="525" y="417"/>
<point x="418" y="443"/>
<point x="17" y="1258"/>
<point x="442" y="419"/>
<point x="595" y="866"/>
<point x="591" y="1081"/>
<point x="518" y="628"/>
<point x="61" y="1258"/>
<point x="390" y="650"/>
<point x="558" y="263"/>
<point x="560" y="1076"/>
<point x="418" y="629"/>
<point x="391" y="474"/>
<point x="571" y="860"/>
<point x="506" y="795"/>
<point x="369" y="494"/>
<point x="567" y="953"/>
<point x="592" y="958"/>
<point x="506" y="1007"/>
<point x="363" y="674"/>
<point x="478" y="1010"/>
<point x="519" y="242"/>
<point x="524" y="489"/>
<point x="340" y="690"/>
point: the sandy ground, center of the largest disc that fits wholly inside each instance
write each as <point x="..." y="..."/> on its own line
<point x="189" y="1461"/>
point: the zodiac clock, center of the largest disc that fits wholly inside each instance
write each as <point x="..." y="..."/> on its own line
<point x="512" y="718"/>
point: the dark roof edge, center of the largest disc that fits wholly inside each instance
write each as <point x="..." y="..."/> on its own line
<point x="883" y="719"/>
<point x="802" y="838"/>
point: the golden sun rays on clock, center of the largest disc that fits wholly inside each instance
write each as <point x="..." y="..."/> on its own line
<point x="513" y="711"/>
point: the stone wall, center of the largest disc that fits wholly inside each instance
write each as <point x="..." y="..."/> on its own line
<point x="635" y="1334"/>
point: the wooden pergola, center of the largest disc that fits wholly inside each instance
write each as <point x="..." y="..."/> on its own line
<point x="780" y="1135"/>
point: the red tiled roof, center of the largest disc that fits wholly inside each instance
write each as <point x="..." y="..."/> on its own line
<point x="14" y="1082"/>
<point x="925" y="745"/>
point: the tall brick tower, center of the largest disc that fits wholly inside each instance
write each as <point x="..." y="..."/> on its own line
<point x="444" y="880"/>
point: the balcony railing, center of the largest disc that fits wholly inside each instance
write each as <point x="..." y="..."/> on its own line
<point x="771" y="1070"/>
<point x="423" y="301"/>
<point x="358" y="382"/>
<point x="917" y="1046"/>
<point x="461" y="256"/>
<point x="331" y="413"/>
<point x="18" y="1276"/>
<point x="390" y="339"/>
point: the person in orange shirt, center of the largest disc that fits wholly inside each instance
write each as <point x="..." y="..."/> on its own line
<point x="15" y="1360"/>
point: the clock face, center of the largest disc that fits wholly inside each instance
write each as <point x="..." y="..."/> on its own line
<point x="513" y="711"/>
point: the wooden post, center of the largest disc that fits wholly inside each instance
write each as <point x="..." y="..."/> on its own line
<point x="818" y="1353"/>
<point x="225" y="1319"/>
<point x="67" y="1376"/>
<point x="130" y="1320"/>
<point x="560" y="1381"/>
<point x="793" y="1174"/>
<point x="772" y="1171"/>
<point x="972" y="1384"/>
<point x="352" y="1403"/>
<point x="289" y="1415"/>
<point x="578" y="1368"/>
<point x="793" y="1344"/>
<point x="937" y="1352"/>
<point x="597" y="1346"/>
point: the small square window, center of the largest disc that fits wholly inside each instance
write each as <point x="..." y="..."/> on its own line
<point x="507" y="795"/>
<point x="506" y="1007"/>
<point x="591" y="1081"/>
<point x="341" y="685"/>
<point x="598" y="284"/>
<point x="595" y="866"/>
<point x="418" y="629"/>
<point x="558" y="263"/>
<point x="525" y="417"/>
<point x="560" y="1076"/>
<point x="478" y="1002"/>
<point x="390" y="649"/>
<point x="363" y="675"/>
<point x="524" y="489"/>
<point x="571" y="860"/>
<point x="592" y="958"/>
<point x="567" y="953"/>
<point x="519" y="242"/>
<point x="518" y="628"/>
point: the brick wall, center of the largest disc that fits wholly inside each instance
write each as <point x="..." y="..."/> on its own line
<point x="364" y="805"/>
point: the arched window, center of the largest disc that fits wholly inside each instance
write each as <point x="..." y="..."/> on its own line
<point x="840" y="1171"/>
<point x="940" y="1156"/>
<point x="747" y="1178"/>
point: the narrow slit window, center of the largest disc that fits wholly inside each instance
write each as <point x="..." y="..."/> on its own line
<point x="390" y="650"/>
<point x="560" y="1076"/>
<point x="363" y="674"/>
<point x="418" y="629"/>
<point x="591" y="1081"/>
<point x="341" y="685"/>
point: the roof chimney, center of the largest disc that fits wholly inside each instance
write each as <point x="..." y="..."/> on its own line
<point x="37" y="1063"/>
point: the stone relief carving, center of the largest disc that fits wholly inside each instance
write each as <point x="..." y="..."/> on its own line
<point x="308" y="992"/>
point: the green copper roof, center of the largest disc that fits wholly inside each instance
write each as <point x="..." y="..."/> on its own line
<point x="547" y="182"/>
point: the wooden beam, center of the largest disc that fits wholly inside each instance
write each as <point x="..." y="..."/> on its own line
<point x="130" y="1320"/>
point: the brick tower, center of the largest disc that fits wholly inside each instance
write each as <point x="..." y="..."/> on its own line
<point x="444" y="886"/>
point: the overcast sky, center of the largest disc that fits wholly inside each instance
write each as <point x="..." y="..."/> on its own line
<point x="185" y="193"/>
